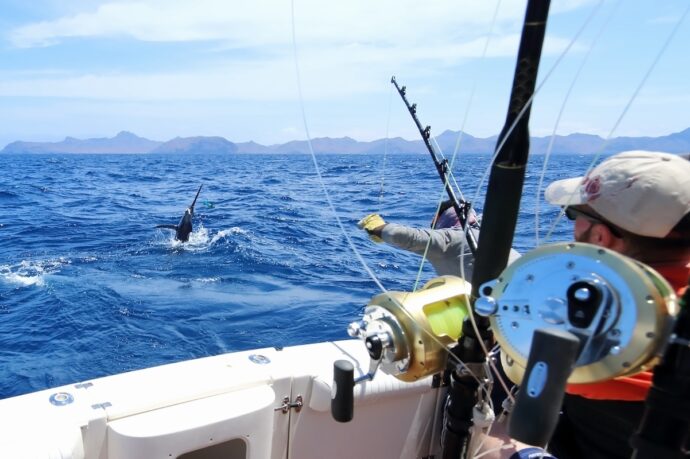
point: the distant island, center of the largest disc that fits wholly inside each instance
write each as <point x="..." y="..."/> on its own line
<point x="128" y="143"/>
<point x="125" y="143"/>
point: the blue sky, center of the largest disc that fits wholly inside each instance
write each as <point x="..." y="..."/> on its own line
<point x="167" y="68"/>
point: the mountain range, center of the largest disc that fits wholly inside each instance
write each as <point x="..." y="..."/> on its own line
<point x="126" y="142"/>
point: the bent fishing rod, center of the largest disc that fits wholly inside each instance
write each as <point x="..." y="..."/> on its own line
<point x="501" y="209"/>
<point x="462" y="208"/>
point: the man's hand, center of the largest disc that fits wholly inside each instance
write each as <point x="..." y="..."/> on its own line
<point x="372" y="224"/>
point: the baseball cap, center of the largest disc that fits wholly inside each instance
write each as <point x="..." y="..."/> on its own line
<point x="644" y="192"/>
<point x="447" y="219"/>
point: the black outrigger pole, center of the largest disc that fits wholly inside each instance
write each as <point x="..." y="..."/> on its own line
<point x="462" y="208"/>
<point x="498" y="225"/>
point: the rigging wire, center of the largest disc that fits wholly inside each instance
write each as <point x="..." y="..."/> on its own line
<point x="457" y="187"/>
<point x="457" y="147"/>
<point x="483" y="178"/>
<point x="474" y="86"/>
<point x="521" y="114"/>
<point x="385" y="150"/>
<point x="625" y="110"/>
<point x="332" y="207"/>
<point x="486" y="172"/>
<point x="608" y="138"/>
<point x="313" y="156"/>
<point x="549" y="148"/>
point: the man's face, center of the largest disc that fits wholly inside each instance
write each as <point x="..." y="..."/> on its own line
<point x="583" y="230"/>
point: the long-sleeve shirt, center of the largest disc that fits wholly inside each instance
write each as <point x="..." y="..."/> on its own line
<point x="448" y="248"/>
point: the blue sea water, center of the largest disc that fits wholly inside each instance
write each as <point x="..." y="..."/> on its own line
<point x="88" y="286"/>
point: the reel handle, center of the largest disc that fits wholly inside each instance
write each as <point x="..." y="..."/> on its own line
<point x="342" y="394"/>
<point x="551" y="361"/>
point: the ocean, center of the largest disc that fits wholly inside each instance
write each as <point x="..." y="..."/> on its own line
<point x="89" y="287"/>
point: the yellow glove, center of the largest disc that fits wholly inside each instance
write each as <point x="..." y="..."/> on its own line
<point x="370" y="223"/>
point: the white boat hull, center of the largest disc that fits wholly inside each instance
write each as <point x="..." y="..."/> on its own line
<point x="227" y="406"/>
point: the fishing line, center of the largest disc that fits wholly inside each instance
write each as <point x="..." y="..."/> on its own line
<point x="330" y="202"/>
<point x="313" y="156"/>
<point x="474" y="84"/>
<point x="520" y="114"/>
<point x="467" y="228"/>
<point x="471" y="211"/>
<point x="451" y="176"/>
<point x="483" y="179"/>
<point x="385" y="150"/>
<point x="625" y="110"/>
<point x="549" y="149"/>
<point x="634" y="95"/>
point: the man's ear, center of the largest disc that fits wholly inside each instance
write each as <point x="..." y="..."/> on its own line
<point x="601" y="235"/>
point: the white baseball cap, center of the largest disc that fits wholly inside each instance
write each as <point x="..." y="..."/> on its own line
<point x="644" y="192"/>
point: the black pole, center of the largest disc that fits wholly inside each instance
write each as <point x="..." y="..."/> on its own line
<point x="665" y="427"/>
<point x="508" y="171"/>
<point x="461" y="208"/>
<point x="498" y="225"/>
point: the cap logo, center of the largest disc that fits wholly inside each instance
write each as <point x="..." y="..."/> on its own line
<point x="591" y="187"/>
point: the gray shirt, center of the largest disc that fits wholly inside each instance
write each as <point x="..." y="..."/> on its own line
<point x="447" y="250"/>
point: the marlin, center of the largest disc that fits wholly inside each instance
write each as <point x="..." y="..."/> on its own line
<point x="184" y="228"/>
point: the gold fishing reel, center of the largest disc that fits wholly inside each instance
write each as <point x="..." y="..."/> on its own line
<point x="407" y="333"/>
<point x="622" y="311"/>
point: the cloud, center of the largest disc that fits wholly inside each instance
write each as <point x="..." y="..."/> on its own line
<point x="241" y="54"/>
<point x="326" y="73"/>
<point x="265" y="22"/>
<point x="353" y="45"/>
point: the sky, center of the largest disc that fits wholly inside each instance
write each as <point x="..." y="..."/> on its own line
<point x="168" y="68"/>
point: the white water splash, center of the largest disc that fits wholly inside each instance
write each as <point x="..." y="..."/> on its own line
<point x="31" y="272"/>
<point x="228" y="232"/>
<point x="208" y="280"/>
<point x="202" y="239"/>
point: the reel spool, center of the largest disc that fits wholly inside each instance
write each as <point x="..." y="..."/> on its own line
<point x="407" y="334"/>
<point x="622" y="311"/>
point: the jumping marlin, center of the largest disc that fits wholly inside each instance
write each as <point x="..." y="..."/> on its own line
<point x="184" y="228"/>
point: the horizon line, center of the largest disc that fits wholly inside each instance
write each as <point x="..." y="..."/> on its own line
<point x="326" y="137"/>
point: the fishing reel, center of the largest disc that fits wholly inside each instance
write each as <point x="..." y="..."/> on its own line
<point x="573" y="313"/>
<point x="406" y="335"/>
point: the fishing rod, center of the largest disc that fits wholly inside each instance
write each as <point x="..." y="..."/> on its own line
<point x="462" y="208"/>
<point x="498" y="225"/>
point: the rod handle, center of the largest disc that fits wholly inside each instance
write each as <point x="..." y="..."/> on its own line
<point x="551" y="360"/>
<point x="342" y="393"/>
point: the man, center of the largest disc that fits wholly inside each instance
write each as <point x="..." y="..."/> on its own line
<point x="448" y="251"/>
<point x="636" y="203"/>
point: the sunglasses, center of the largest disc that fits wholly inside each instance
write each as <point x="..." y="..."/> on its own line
<point x="572" y="213"/>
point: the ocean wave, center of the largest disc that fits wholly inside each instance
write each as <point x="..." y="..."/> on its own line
<point x="97" y="276"/>
<point x="31" y="272"/>
<point x="8" y="195"/>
